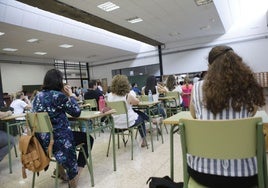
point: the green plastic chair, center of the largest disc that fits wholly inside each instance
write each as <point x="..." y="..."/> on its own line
<point x="93" y="104"/>
<point x="173" y="105"/>
<point x="223" y="139"/>
<point x="42" y="124"/>
<point x="121" y="109"/>
<point x="153" y="115"/>
<point x="94" y="107"/>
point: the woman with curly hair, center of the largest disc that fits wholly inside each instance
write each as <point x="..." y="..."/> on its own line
<point x="120" y="91"/>
<point x="228" y="91"/>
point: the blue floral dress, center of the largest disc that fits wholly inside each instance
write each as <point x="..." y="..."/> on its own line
<point x="57" y="104"/>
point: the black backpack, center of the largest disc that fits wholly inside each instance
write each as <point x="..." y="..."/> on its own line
<point x="164" y="182"/>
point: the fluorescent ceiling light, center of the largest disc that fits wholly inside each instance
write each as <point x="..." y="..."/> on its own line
<point x="10" y="49"/>
<point x="32" y="40"/>
<point x="203" y="2"/>
<point x="40" y="53"/>
<point x="1" y="33"/>
<point x="66" y="46"/>
<point x="108" y="6"/>
<point x="134" y="20"/>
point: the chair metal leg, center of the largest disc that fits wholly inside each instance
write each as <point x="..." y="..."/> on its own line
<point x="131" y="132"/>
<point x="57" y="175"/>
<point x="9" y="148"/>
<point x="108" y="149"/>
<point x="90" y="158"/>
<point x="33" y="180"/>
<point x="89" y="166"/>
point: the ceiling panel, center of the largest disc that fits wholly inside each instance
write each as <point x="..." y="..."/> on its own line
<point x="163" y="19"/>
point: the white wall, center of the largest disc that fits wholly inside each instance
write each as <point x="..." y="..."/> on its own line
<point x="16" y="75"/>
<point x="254" y="54"/>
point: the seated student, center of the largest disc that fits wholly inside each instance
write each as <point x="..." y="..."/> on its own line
<point x="57" y="100"/>
<point x="135" y="88"/>
<point x="151" y="84"/>
<point x="92" y="92"/>
<point x="171" y="85"/>
<point x="20" y="104"/>
<point x="4" y="138"/>
<point x="120" y="91"/>
<point x="228" y="91"/>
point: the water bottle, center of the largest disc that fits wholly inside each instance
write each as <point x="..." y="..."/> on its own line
<point x="101" y="103"/>
<point x="150" y="96"/>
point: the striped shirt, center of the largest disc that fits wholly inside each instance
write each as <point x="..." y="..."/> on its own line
<point x="233" y="167"/>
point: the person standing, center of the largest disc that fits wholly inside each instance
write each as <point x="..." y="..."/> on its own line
<point x="229" y="91"/>
<point x="57" y="99"/>
<point x="186" y="92"/>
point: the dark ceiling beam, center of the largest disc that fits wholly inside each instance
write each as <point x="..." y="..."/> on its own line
<point x="87" y="18"/>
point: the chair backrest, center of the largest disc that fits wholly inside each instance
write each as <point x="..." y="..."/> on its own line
<point x="120" y="108"/>
<point x="223" y="139"/>
<point x="175" y="95"/>
<point x="144" y="98"/>
<point x="39" y="121"/>
<point x="92" y="102"/>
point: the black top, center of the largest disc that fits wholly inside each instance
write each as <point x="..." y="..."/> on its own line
<point x="92" y="94"/>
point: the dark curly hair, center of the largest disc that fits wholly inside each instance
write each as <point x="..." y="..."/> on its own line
<point x="120" y="85"/>
<point x="229" y="79"/>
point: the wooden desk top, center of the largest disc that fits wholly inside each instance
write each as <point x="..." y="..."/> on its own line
<point x="146" y="104"/>
<point x="13" y="116"/>
<point x="174" y="120"/>
<point x="166" y="98"/>
<point x="87" y="115"/>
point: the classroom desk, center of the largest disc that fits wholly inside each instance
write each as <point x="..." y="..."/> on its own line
<point x="146" y="105"/>
<point x="8" y="124"/>
<point x="91" y="115"/>
<point x="174" y="122"/>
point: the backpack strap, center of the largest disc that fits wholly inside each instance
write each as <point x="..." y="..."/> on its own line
<point x="23" y="146"/>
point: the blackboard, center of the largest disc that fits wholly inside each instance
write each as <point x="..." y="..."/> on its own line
<point x="30" y="88"/>
<point x="139" y="79"/>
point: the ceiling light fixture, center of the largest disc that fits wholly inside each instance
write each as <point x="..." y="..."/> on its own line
<point x="1" y="33"/>
<point x="40" y="53"/>
<point x="33" y="40"/>
<point x="10" y="49"/>
<point x="66" y="46"/>
<point x="134" y="20"/>
<point x="202" y="2"/>
<point x="108" y="6"/>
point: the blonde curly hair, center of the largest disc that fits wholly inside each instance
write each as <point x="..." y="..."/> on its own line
<point x="120" y="85"/>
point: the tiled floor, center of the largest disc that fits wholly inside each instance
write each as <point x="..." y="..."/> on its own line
<point x="129" y="174"/>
